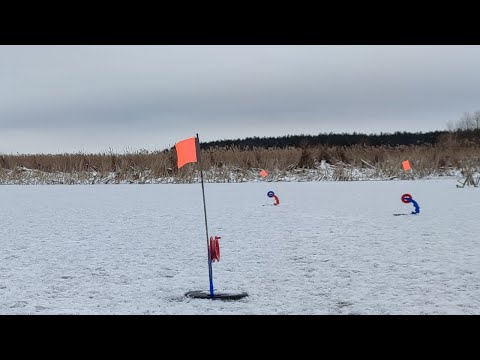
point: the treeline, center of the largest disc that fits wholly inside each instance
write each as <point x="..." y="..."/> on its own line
<point x="345" y="139"/>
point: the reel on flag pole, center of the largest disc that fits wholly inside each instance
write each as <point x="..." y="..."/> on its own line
<point x="407" y="198"/>
<point x="214" y="248"/>
<point x="271" y="194"/>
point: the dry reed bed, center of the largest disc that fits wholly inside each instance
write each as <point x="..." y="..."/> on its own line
<point x="235" y="165"/>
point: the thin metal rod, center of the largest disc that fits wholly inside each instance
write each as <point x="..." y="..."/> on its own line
<point x="210" y="273"/>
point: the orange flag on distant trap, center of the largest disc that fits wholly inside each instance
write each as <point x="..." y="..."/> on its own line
<point x="186" y="151"/>
<point x="406" y="165"/>
<point x="263" y="173"/>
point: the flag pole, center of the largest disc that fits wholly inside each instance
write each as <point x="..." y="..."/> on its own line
<point x="210" y="277"/>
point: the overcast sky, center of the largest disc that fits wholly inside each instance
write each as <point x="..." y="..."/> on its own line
<point x="124" y="98"/>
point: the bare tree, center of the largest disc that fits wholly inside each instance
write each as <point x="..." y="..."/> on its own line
<point x="476" y="118"/>
<point x="466" y="122"/>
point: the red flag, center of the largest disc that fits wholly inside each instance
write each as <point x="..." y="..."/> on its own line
<point x="186" y="151"/>
<point x="406" y="165"/>
<point x="263" y="173"/>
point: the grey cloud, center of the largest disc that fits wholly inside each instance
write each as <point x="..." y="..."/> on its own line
<point x="124" y="94"/>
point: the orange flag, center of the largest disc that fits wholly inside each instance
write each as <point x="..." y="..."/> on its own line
<point x="406" y="165"/>
<point x="186" y="151"/>
<point x="263" y="173"/>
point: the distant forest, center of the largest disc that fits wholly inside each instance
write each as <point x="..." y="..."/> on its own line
<point x="465" y="130"/>
<point x="345" y="139"/>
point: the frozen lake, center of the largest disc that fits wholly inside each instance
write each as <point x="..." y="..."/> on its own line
<point x="328" y="248"/>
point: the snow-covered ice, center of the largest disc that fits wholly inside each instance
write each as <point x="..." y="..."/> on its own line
<point x="328" y="248"/>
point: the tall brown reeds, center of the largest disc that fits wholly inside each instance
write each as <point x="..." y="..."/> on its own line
<point x="450" y="153"/>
